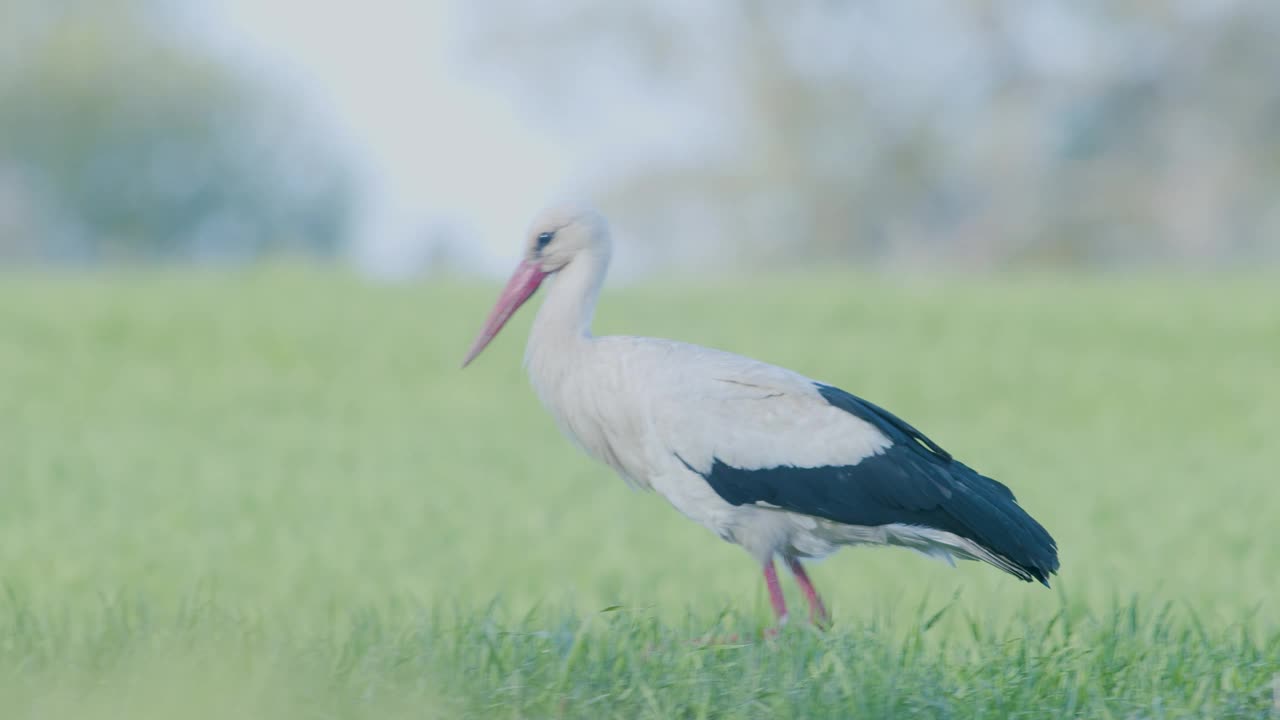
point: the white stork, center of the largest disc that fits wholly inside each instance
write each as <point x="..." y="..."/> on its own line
<point x="762" y="456"/>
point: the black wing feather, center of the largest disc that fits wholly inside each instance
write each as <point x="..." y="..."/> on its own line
<point x="896" y="428"/>
<point x="913" y="482"/>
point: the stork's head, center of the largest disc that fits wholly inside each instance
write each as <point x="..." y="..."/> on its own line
<point x="557" y="236"/>
<point x="560" y="233"/>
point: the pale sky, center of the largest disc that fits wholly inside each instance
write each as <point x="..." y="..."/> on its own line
<point x="433" y="145"/>
<point x="440" y="144"/>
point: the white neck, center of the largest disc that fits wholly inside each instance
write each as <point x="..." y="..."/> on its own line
<point x="563" y="325"/>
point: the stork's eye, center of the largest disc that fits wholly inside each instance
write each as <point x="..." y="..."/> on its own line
<point x="545" y="238"/>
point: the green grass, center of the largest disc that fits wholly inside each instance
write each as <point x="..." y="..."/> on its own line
<point x="272" y="494"/>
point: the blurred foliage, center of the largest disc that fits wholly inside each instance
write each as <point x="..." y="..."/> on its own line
<point x="122" y="140"/>
<point x="982" y="132"/>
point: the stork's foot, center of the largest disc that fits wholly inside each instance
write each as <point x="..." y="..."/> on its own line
<point x="818" y="614"/>
<point x="819" y="617"/>
<point x="778" y="602"/>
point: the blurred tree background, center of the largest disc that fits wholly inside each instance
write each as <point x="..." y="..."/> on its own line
<point x="970" y="133"/>
<point x="122" y="140"/>
<point x="973" y="132"/>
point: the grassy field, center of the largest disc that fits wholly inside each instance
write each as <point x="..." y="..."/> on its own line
<point x="274" y="495"/>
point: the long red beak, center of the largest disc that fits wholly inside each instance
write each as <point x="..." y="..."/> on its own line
<point x="520" y="288"/>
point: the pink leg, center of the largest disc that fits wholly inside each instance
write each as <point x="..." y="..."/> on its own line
<point x="775" y="593"/>
<point x="817" y="611"/>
